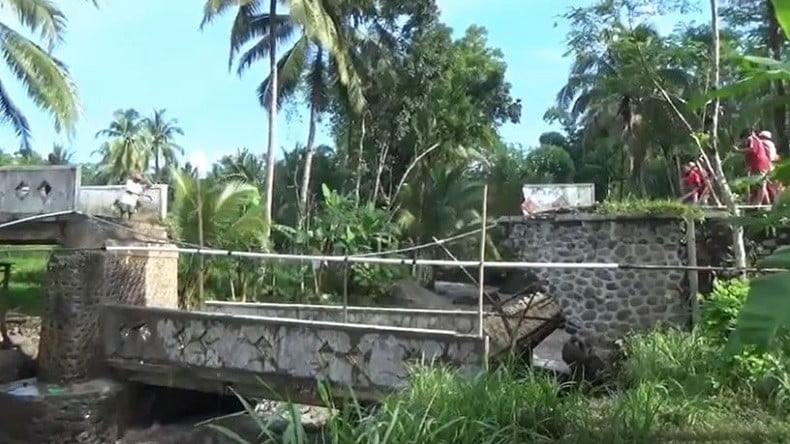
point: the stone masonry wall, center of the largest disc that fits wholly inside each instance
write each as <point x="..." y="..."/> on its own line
<point x="603" y="305"/>
<point x="76" y="285"/>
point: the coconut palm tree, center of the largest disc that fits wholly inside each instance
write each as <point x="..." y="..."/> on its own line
<point x="611" y="96"/>
<point x="124" y="151"/>
<point x="231" y="218"/>
<point x="60" y="155"/>
<point x="242" y="166"/>
<point x="160" y="134"/>
<point x="45" y="78"/>
<point x="321" y="38"/>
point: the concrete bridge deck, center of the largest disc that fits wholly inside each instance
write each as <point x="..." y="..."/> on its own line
<point x="211" y="351"/>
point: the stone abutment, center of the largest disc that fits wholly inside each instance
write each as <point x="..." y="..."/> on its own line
<point x="601" y="306"/>
<point x="74" y="398"/>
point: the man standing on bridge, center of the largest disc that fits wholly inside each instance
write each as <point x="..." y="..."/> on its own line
<point x="127" y="203"/>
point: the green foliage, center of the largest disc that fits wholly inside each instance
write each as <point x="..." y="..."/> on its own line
<point x="766" y="312"/>
<point x="134" y="142"/>
<point x="720" y="309"/>
<point x="637" y="207"/>
<point x="673" y="388"/>
<point x="45" y="79"/>
<point x="231" y="219"/>
<point x="340" y="228"/>
<point x="28" y="272"/>
<point x="552" y="163"/>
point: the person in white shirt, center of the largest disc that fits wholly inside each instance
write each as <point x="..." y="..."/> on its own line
<point x="767" y="138"/>
<point x="134" y="187"/>
<point x="774" y="187"/>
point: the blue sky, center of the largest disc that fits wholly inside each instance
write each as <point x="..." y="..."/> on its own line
<point x="148" y="54"/>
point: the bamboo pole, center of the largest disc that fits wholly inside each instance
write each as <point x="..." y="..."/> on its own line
<point x="693" y="275"/>
<point x="482" y="265"/>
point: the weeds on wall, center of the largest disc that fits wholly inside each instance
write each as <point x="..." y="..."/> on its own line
<point x="647" y="208"/>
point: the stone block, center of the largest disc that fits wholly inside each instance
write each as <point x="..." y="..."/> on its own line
<point x="79" y="413"/>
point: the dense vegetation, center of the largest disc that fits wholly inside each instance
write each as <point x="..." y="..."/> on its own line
<point x="415" y="116"/>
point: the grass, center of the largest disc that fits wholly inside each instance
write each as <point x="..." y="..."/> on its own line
<point x="640" y="207"/>
<point x="27" y="278"/>
<point x="672" y="387"/>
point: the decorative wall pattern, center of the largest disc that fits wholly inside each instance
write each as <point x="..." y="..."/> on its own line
<point x="360" y="357"/>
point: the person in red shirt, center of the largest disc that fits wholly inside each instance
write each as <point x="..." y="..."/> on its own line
<point x="693" y="182"/>
<point x="758" y="164"/>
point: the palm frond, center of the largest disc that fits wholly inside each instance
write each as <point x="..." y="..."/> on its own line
<point x="248" y="26"/>
<point x="260" y="50"/>
<point x="214" y="8"/>
<point x="11" y="114"/>
<point x="40" y="17"/>
<point x="45" y="78"/>
<point x="289" y="68"/>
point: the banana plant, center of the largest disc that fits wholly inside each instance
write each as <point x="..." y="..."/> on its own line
<point x="766" y="311"/>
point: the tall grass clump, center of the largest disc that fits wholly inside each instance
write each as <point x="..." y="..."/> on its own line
<point x="688" y="364"/>
<point x="496" y="407"/>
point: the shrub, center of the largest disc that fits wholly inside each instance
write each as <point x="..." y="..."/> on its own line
<point x="497" y="407"/>
<point x="720" y="309"/>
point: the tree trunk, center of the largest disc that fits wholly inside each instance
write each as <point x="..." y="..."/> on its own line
<point x="360" y="159"/>
<point x="308" y="167"/>
<point x="157" y="170"/>
<point x="775" y="41"/>
<point x="739" y="250"/>
<point x="267" y="212"/>
<point x="379" y="171"/>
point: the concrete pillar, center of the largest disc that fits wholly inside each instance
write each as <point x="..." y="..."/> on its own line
<point x="71" y="400"/>
<point x="78" y="282"/>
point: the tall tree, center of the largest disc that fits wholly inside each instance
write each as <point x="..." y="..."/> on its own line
<point x="320" y="31"/>
<point x="738" y="246"/>
<point x="160" y="134"/>
<point x="124" y="150"/>
<point x="60" y="155"/>
<point x="271" y="140"/>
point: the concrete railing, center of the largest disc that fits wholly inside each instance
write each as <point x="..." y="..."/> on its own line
<point x="99" y="199"/>
<point x="459" y="321"/>
<point x="209" y="351"/>
<point x="33" y="190"/>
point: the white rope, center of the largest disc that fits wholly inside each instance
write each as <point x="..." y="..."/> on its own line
<point x="363" y="260"/>
<point x="189" y="244"/>
<point x="433" y="262"/>
<point x="38" y="217"/>
<point x="427" y="244"/>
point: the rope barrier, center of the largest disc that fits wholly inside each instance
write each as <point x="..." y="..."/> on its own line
<point x="440" y="263"/>
<point x="367" y="258"/>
